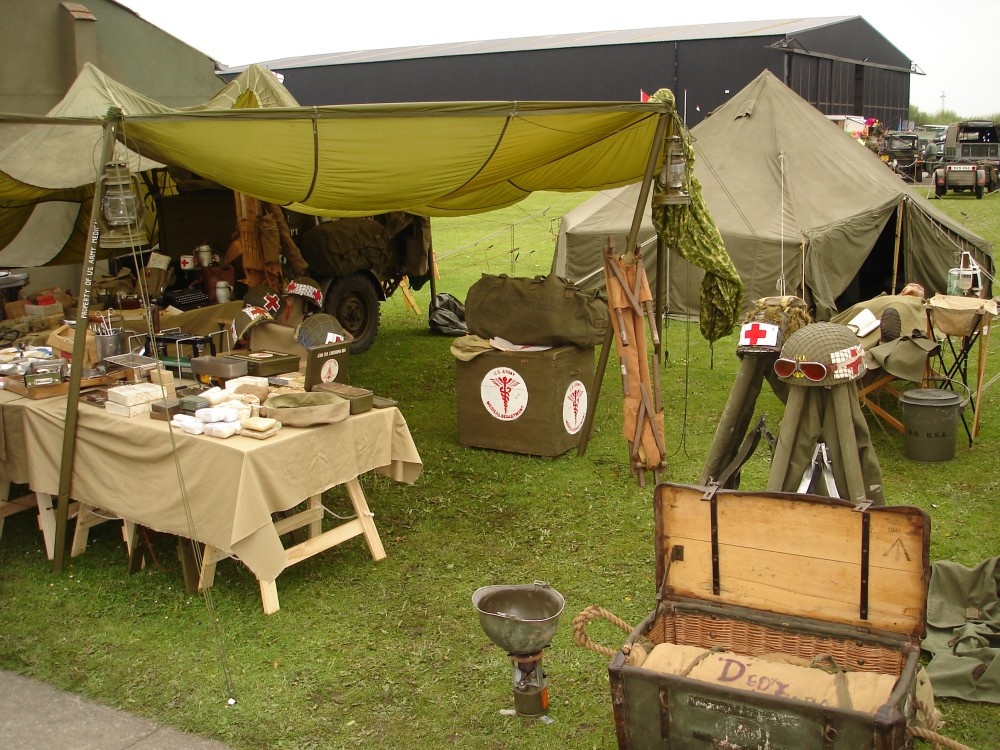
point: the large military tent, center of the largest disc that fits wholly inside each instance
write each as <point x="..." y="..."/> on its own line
<point x="795" y="199"/>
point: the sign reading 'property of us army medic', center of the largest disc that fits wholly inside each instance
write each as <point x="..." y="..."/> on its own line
<point x="574" y="407"/>
<point x="504" y="394"/>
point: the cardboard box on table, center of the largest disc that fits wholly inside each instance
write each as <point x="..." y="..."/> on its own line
<point x="524" y="402"/>
<point x="755" y="575"/>
<point x="61" y="339"/>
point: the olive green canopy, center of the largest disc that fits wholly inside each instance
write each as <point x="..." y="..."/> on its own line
<point x="433" y="159"/>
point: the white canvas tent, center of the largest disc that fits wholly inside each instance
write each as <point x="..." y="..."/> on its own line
<point x="792" y="195"/>
<point x="48" y="170"/>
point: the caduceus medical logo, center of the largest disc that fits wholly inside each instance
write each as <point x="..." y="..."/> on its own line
<point x="574" y="407"/>
<point x="504" y="394"/>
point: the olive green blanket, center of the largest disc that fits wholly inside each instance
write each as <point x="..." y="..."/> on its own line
<point x="963" y="630"/>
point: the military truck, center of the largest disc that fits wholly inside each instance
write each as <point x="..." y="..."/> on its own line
<point x="359" y="262"/>
<point x="971" y="158"/>
<point x="356" y="262"/>
<point x="902" y="152"/>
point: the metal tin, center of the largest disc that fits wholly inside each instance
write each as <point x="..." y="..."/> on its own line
<point x="361" y="398"/>
<point x="265" y="363"/>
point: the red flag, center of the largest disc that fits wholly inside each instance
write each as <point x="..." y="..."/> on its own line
<point x="643" y="96"/>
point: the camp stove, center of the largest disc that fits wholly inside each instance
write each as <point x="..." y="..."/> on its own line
<point x="521" y="620"/>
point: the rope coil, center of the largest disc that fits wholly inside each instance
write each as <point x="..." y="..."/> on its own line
<point x="591" y="613"/>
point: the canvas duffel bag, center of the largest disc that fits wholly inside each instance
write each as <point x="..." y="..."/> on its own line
<point x="539" y="311"/>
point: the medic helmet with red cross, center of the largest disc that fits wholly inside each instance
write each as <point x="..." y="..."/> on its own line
<point x="246" y="319"/>
<point x="263" y="296"/>
<point x="821" y="354"/>
<point x="308" y="288"/>
<point x="771" y="321"/>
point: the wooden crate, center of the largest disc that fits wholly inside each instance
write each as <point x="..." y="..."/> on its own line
<point x="524" y="402"/>
<point x="761" y="573"/>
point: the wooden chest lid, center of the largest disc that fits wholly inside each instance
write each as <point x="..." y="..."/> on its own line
<point x="792" y="554"/>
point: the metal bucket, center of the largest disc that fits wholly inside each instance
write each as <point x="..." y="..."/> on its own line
<point x="930" y="416"/>
<point x="109" y="344"/>
<point x="520" y="619"/>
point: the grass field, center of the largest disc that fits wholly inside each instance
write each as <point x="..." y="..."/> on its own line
<point x="390" y="654"/>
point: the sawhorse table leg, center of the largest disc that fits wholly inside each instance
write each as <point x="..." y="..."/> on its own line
<point x="47" y="520"/>
<point x="86" y="518"/>
<point x="319" y="541"/>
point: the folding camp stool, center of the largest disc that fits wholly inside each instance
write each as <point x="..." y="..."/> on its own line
<point x="963" y="323"/>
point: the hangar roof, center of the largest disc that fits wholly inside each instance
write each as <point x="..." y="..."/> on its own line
<point x="732" y="29"/>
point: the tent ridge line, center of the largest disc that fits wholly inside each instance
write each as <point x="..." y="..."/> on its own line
<point x="486" y="161"/>
<point x="366" y="111"/>
<point x="315" y="171"/>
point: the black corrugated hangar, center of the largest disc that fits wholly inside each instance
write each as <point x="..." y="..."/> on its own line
<point x="842" y="65"/>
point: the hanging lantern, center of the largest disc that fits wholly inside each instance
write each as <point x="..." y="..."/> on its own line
<point x="122" y="210"/>
<point x="966" y="277"/>
<point x="672" y="181"/>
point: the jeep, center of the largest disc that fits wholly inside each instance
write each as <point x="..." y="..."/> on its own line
<point x="902" y="152"/>
<point x="970" y="160"/>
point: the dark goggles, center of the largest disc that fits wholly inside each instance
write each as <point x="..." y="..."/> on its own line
<point x="814" y="371"/>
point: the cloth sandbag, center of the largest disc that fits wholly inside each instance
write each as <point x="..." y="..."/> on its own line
<point x="867" y="690"/>
<point x="539" y="311"/>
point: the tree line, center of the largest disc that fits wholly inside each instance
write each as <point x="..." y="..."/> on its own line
<point x="944" y="116"/>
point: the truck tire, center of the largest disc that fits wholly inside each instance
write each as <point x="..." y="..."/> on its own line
<point x="354" y="301"/>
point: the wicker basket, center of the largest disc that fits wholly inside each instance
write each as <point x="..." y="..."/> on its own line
<point x="692" y="628"/>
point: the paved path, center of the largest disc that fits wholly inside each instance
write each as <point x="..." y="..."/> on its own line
<point x="37" y="716"/>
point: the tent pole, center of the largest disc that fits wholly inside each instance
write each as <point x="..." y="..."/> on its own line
<point x="111" y="126"/>
<point x="633" y="235"/>
<point x="661" y="295"/>
<point x="895" y="249"/>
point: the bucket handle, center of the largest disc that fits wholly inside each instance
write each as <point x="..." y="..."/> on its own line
<point x="951" y="384"/>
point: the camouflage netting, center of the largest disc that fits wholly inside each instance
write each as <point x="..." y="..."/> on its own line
<point x="344" y="246"/>
<point x="699" y="242"/>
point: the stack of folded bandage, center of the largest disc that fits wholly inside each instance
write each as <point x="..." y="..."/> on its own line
<point x="221" y="413"/>
<point x="132" y="400"/>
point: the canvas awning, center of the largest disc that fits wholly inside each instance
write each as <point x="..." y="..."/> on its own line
<point x="443" y="159"/>
<point x="433" y="159"/>
<point x="48" y="169"/>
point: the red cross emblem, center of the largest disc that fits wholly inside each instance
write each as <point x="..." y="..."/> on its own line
<point x="272" y="302"/>
<point x="754" y="333"/>
<point x="757" y="334"/>
<point x="855" y="362"/>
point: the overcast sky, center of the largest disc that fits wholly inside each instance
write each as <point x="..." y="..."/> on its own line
<point x="953" y="42"/>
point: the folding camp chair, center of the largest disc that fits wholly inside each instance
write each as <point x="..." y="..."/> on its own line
<point x="897" y="353"/>
<point x="960" y="324"/>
